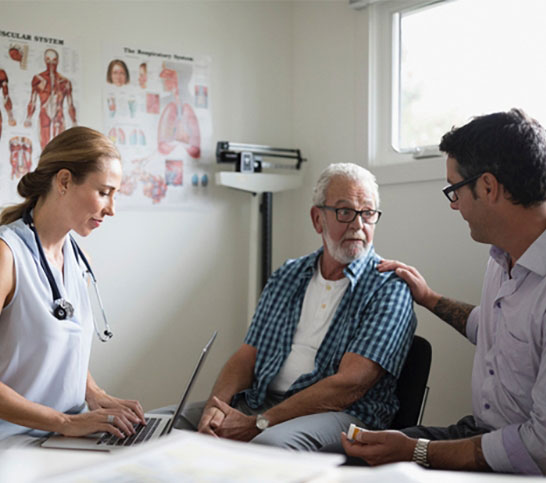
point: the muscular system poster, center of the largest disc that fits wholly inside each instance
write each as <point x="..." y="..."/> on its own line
<point x="156" y="107"/>
<point x="39" y="94"/>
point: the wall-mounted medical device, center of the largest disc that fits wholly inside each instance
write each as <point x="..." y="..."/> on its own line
<point x="249" y="176"/>
<point x="249" y="158"/>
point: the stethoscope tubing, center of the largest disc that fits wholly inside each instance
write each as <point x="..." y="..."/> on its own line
<point x="63" y="308"/>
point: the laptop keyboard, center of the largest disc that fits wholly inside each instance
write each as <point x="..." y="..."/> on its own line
<point x="142" y="433"/>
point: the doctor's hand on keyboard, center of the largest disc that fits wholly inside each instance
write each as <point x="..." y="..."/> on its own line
<point x="141" y="433"/>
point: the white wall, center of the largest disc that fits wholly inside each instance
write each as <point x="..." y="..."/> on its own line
<point x="283" y="73"/>
<point x="418" y="227"/>
<point x="168" y="278"/>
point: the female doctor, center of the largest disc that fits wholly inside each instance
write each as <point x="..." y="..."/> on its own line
<point x="45" y="385"/>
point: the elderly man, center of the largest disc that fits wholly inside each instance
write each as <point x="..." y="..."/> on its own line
<point x="329" y="336"/>
<point x="496" y="165"/>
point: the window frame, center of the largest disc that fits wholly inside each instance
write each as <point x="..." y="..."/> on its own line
<point x="391" y="166"/>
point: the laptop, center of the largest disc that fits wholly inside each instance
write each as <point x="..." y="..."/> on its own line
<point x="157" y="424"/>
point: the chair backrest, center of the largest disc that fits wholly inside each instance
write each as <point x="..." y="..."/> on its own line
<point x="412" y="387"/>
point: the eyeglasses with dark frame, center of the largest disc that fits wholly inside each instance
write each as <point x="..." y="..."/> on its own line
<point x="348" y="215"/>
<point x="451" y="190"/>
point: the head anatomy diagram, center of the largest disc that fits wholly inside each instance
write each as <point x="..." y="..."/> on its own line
<point x="51" y="58"/>
<point x="344" y="185"/>
<point x="80" y="150"/>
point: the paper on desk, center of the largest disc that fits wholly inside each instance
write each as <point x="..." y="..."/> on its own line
<point x="188" y="456"/>
<point x="393" y="473"/>
<point x="412" y="473"/>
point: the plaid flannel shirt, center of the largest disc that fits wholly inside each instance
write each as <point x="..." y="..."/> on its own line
<point x="374" y="319"/>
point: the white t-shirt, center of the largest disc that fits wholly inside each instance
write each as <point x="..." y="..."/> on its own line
<point x="319" y="307"/>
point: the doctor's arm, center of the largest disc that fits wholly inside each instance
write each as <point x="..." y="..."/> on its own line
<point x="18" y="410"/>
<point x="97" y="398"/>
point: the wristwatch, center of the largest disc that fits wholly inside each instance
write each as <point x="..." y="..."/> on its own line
<point x="262" y="422"/>
<point x="420" y="453"/>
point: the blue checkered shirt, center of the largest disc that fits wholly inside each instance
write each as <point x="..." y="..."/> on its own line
<point x="374" y="319"/>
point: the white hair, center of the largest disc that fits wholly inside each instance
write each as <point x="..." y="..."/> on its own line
<point x="349" y="171"/>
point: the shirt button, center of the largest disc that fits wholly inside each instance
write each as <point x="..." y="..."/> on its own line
<point x="491" y="371"/>
<point x="328" y="287"/>
<point x="486" y="406"/>
<point x="323" y="306"/>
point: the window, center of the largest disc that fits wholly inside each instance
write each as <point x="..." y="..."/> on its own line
<point x="436" y="64"/>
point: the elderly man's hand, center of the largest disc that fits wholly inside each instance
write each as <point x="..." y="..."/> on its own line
<point x="210" y="420"/>
<point x="380" y="447"/>
<point x="235" y="425"/>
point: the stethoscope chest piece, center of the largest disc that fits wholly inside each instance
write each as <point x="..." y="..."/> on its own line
<point x="63" y="310"/>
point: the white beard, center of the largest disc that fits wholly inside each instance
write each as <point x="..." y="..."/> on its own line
<point x="344" y="255"/>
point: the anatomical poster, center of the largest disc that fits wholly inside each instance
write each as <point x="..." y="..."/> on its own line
<point x="156" y="108"/>
<point x="39" y="98"/>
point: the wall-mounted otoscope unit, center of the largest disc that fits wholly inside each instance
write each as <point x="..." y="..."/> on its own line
<point x="248" y="158"/>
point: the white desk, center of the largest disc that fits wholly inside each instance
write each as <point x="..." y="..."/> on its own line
<point x="181" y="456"/>
<point x="36" y="464"/>
<point x="412" y="473"/>
<point x="186" y="456"/>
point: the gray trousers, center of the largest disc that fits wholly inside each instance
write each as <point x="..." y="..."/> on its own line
<point x="306" y="433"/>
<point x="464" y="428"/>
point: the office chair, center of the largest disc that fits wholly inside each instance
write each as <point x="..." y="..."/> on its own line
<point x="412" y="389"/>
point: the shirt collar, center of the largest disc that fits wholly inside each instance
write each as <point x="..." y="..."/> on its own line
<point x="308" y="268"/>
<point x="356" y="268"/>
<point x="353" y="271"/>
<point x="533" y="259"/>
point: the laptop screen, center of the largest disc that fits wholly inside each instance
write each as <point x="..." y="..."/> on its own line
<point x="196" y="370"/>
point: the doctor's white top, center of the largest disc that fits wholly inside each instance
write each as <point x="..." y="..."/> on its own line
<point x="42" y="358"/>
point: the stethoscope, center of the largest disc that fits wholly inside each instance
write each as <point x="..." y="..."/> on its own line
<point x="63" y="308"/>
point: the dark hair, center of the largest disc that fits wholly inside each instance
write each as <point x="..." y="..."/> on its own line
<point x="80" y="149"/>
<point x="510" y="145"/>
<point x="111" y="66"/>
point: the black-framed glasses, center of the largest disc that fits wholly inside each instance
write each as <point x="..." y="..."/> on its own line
<point x="451" y="190"/>
<point x="348" y="215"/>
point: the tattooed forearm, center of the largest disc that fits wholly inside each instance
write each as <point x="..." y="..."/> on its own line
<point x="453" y="312"/>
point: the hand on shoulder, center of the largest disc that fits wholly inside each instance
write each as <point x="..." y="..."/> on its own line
<point x="421" y="292"/>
